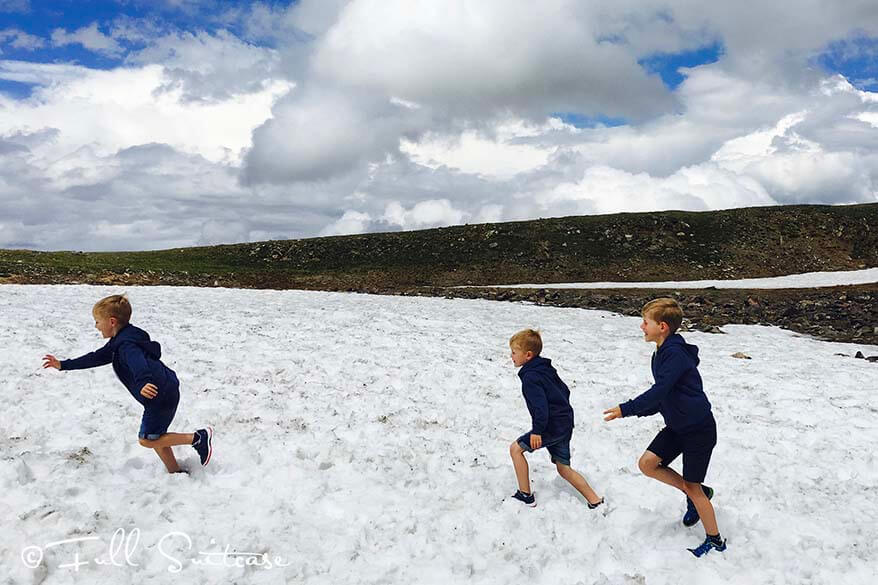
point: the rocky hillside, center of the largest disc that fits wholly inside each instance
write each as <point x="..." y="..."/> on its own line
<point x="672" y="245"/>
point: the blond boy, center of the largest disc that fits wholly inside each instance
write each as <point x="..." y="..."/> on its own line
<point x="690" y="428"/>
<point x="548" y="400"/>
<point x="136" y="361"/>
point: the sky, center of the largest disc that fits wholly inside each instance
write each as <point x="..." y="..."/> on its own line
<point x="151" y="124"/>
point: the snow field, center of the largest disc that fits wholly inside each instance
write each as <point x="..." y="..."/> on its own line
<point x="364" y="439"/>
<point x="805" y="280"/>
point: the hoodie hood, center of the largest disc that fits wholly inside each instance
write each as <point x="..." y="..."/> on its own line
<point x="677" y="340"/>
<point x="537" y="364"/>
<point x="132" y="334"/>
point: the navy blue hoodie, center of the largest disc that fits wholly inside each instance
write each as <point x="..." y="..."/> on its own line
<point x="547" y="398"/>
<point x="677" y="393"/>
<point x="136" y="362"/>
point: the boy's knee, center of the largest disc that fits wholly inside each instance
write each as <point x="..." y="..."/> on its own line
<point x="145" y="442"/>
<point x="692" y="489"/>
<point x="563" y="470"/>
<point x="648" y="463"/>
<point x="515" y="449"/>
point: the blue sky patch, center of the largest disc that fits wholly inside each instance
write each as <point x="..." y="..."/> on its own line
<point x="583" y="121"/>
<point x="855" y="58"/>
<point x="666" y="65"/>
<point x="16" y="89"/>
<point x="158" y="16"/>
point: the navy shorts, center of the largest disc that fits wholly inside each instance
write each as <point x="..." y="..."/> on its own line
<point x="696" y="445"/>
<point x="155" y="422"/>
<point x="558" y="447"/>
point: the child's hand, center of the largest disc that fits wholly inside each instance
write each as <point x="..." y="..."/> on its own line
<point x="536" y="441"/>
<point x="50" y="361"/>
<point x="149" y="390"/>
<point x="611" y="413"/>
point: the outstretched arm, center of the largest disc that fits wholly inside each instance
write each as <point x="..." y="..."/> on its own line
<point x="98" y="357"/>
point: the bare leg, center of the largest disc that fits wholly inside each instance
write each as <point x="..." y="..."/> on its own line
<point x="520" y="464"/>
<point x="577" y="481"/>
<point x="650" y="465"/>
<point x="704" y="507"/>
<point x="166" y="454"/>
<point x="169" y="440"/>
<point x="162" y="447"/>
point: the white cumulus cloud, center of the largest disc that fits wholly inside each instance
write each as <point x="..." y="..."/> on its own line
<point x="18" y="39"/>
<point x="349" y="116"/>
<point x="89" y="37"/>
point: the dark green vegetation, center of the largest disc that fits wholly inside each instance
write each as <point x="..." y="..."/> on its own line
<point x="765" y="241"/>
<point x="672" y="245"/>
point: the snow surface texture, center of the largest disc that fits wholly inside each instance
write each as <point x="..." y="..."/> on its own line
<point x="806" y="280"/>
<point x="364" y="439"/>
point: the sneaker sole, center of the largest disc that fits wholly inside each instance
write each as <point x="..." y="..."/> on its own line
<point x="704" y="554"/>
<point x="209" y="446"/>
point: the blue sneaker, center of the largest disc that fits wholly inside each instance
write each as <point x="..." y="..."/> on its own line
<point x="691" y="518"/>
<point x="708" y="545"/>
<point x="203" y="444"/>
<point x="528" y="499"/>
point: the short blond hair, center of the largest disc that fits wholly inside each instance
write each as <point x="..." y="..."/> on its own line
<point x="114" y="306"/>
<point x="664" y="310"/>
<point x="527" y="340"/>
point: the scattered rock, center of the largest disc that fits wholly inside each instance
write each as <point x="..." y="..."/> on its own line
<point x="741" y="355"/>
<point x="80" y="456"/>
